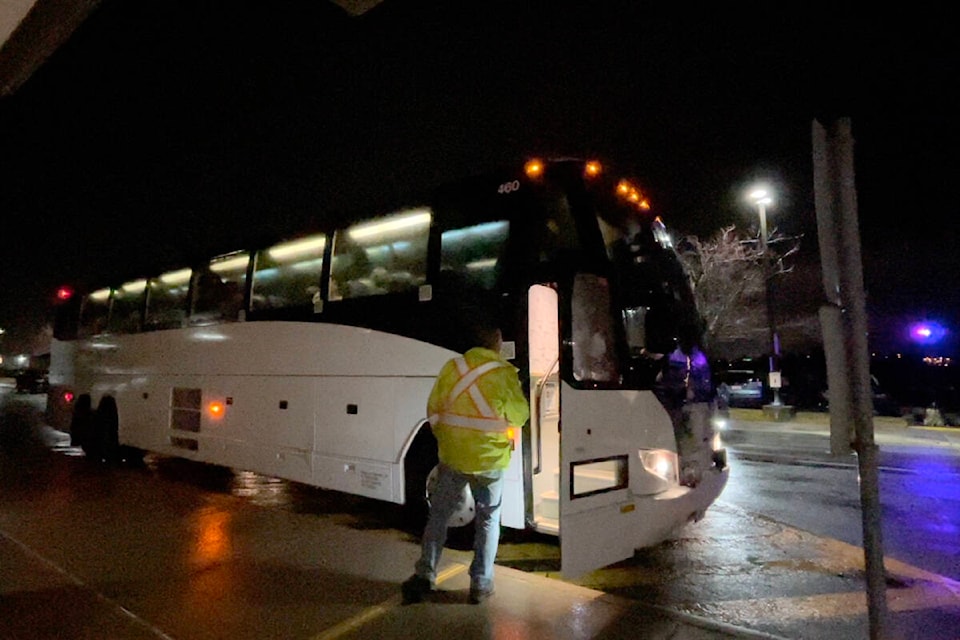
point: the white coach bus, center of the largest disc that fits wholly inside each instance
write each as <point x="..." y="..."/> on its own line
<point x="312" y="359"/>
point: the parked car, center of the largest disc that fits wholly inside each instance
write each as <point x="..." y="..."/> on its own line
<point x="883" y="403"/>
<point x="32" y="381"/>
<point x="740" y="388"/>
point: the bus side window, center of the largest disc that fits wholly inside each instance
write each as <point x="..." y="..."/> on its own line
<point x="288" y="274"/>
<point x="94" y="312"/>
<point x="471" y="256"/>
<point x="167" y="300"/>
<point x="126" y="307"/>
<point x="218" y="289"/>
<point x="385" y="255"/>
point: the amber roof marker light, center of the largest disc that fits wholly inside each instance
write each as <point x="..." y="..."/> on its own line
<point x="626" y="190"/>
<point x="533" y="168"/>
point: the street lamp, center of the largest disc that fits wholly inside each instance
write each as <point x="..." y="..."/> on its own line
<point x="761" y="197"/>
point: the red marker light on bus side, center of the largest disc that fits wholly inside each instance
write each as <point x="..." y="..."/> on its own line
<point x="64" y="293"/>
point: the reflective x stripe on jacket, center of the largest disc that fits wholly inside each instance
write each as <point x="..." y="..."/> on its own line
<point x="486" y="418"/>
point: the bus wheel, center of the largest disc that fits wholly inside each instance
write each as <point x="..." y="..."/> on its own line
<point x="463" y="515"/>
<point x="420" y="461"/>
<point x="132" y="456"/>
<point x="106" y="430"/>
<point x="81" y="426"/>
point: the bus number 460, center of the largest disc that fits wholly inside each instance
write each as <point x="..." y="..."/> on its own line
<point x="509" y="187"/>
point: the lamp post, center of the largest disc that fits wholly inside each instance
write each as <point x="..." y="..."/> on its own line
<point x="761" y="197"/>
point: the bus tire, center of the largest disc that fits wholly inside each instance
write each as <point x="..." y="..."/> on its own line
<point x="465" y="510"/>
<point x="106" y="430"/>
<point x="132" y="456"/>
<point x="81" y="421"/>
<point x="420" y="460"/>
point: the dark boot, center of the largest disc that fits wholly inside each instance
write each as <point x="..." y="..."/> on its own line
<point x="414" y="589"/>
<point x="478" y="595"/>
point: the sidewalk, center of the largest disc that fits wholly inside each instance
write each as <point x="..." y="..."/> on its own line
<point x="886" y="429"/>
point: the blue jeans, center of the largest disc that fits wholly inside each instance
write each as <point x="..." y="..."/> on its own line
<point x="487" y="488"/>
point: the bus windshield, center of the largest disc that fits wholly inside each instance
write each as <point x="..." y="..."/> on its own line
<point x="654" y="297"/>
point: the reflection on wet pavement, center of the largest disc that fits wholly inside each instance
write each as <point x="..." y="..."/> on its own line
<point x="24" y="435"/>
<point x="352" y="511"/>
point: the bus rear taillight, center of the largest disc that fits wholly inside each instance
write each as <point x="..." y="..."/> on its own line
<point x="67" y="396"/>
<point x="64" y="293"/>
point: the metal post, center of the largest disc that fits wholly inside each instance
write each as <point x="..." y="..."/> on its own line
<point x="773" y="364"/>
<point x="839" y="237"/>
<point x="763" y="227"/>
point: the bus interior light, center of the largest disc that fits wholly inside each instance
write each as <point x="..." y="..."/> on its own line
<point x="296" y="248"/>
<point x="136" y="286"/>
<point x="180" y="276"/>
<point x="233" y="262"/>
<point x="406" y="221"/>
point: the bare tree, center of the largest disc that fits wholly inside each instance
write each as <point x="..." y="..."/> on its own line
<point x="729" y="272"/>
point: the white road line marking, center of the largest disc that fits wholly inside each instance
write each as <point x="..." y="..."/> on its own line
<point x="80" y="583"/>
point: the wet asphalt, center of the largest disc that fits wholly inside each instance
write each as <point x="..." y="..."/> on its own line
<point x="93" y="552"/>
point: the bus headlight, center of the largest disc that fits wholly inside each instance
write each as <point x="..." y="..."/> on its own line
<point x="662" y="470"/>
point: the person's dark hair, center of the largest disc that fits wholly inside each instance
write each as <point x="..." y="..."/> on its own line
<point x="487" y="336"/>
<point x="478" y="325"/>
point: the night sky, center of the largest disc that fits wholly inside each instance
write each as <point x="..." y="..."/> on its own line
<point x="165" y="131"/>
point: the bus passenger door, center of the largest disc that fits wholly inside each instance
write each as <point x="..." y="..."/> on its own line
<point x="544" y="366"/>
<point x="597" y="437"/>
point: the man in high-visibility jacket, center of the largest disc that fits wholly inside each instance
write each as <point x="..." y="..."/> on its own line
<point x="475" y="400"/>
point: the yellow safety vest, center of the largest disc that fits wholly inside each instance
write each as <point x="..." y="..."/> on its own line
<point x="475" y="399"/>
